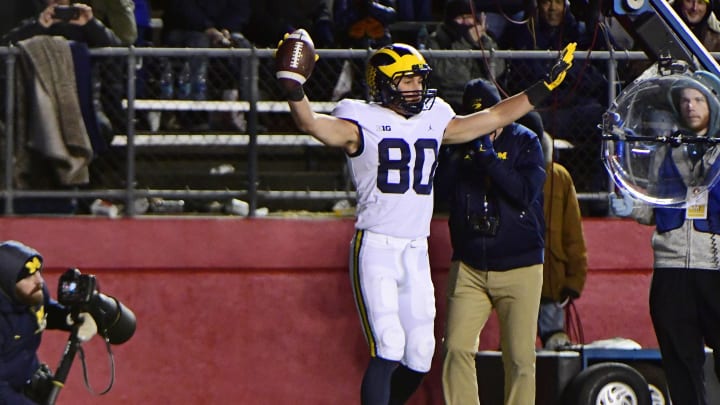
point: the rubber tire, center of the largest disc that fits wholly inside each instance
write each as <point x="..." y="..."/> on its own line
<point x="585" y="388"/>
<point x="655" y="377"/>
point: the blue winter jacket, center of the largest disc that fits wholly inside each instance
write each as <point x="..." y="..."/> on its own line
<point x="21" y="328"/>
<point x="511" y="181"/>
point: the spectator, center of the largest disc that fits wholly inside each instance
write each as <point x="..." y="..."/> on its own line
<point x="15" y="11"/>
<point x="460" y="30"/>
<point x="119" y="15"/>
<point x="271" y="19"/>
<point x="699" y="17"/>
<point x="144" y="38"/>
<point x="575" y="111"/>
<point x="565" y="264"/>
<point x="85" y="28"/>
<point x="414" y="10"/>
<point x="110" y="76"/>
<point x="684" y="307"/>
<point x="364" y="25"/>
<point x="143" y="22"/>
<point x="206" y="24"/>
<point x="496" y="230"/>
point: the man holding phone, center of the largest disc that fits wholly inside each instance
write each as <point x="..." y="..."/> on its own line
<point x="66" y="13"/>
<point x="73" y="21"/>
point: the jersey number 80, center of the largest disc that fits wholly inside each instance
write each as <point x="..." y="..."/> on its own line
<point x="402" y="165"/>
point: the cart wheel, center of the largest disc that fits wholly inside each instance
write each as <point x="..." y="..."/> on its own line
<point x="655" y="377"/>
<point x="608" y="383"/>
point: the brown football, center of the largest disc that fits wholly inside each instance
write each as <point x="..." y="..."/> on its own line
<point x="295" y="58"/>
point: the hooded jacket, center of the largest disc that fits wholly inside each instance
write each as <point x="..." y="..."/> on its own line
<point x="511" y="182"/>
<point x="679" y="242"/>
<point x="503" y="184"/>
<point x="675" y="174"/>
<point x="21" y="326"/>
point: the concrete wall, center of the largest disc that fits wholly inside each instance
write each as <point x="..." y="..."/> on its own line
<point x="260" y="311"/>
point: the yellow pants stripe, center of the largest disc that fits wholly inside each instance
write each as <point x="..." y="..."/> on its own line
<point x="359" y="300"/>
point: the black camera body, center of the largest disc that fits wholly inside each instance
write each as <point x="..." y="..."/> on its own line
<point x="80" y="293"/>
<point x="483" y="224"/>
<point x="75" y="288"/>
<point x="66" y="13"/>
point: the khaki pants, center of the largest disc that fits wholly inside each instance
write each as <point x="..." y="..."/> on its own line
<point x="471" y="296"/>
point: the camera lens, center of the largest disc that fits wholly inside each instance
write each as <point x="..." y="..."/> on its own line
<point x="114" y="320"/>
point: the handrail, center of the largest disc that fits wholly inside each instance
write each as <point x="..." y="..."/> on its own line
<point x="252" y="106"/>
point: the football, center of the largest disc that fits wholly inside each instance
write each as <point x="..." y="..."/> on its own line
<point x="295" y="59"/>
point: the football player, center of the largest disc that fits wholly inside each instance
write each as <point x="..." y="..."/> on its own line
<point x="392" y="144"/>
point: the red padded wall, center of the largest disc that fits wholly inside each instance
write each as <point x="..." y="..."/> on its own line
<point x="260" y="311"/>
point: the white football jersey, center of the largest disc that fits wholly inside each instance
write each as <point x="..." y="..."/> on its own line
<point x="394" y="167"/>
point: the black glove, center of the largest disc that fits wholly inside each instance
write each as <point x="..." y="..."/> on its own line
<point x="483" y="150"/>
<point x="568" y="293"/>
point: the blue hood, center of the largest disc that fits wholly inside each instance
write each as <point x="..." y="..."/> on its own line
<point x="13" y="256"/>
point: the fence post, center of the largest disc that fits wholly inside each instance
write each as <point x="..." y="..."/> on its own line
<point x="9" y="129"/>
<point x="130" y="185"/>
<point x="252" y="131"/>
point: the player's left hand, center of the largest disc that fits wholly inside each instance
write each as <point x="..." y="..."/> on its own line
<point x="559" y="70"/>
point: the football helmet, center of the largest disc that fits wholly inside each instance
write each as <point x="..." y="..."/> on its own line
<point x="384" y="70"/>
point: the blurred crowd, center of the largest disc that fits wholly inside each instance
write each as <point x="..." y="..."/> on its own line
<point x="361" y="24"/>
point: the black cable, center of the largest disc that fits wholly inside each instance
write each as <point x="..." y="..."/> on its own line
<point x="86" y="379"/>
<point x="573" y="324"/>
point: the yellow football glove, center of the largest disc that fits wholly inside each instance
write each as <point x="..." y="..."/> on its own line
<point x="558" y="71"/>
<point x="539" y="91"/>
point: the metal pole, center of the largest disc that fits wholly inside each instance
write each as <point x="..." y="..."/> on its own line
<point x="130" y="186"/>
<point x="252" y="131"/>
<point x="9" y="129"/>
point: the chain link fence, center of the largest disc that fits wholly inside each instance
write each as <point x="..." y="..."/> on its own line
<point x="189" y="130"/>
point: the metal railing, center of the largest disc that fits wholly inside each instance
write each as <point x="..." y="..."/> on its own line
<point x="260" y="96"/>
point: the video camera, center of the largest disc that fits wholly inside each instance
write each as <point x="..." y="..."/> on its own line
<point x="80" y="293"/>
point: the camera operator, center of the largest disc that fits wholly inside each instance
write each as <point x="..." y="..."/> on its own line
<point x="495" y="190"/>
<point x="26" y="310"/>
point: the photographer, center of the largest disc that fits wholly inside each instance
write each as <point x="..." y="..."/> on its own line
<point x="495" y="190"/>
<point x="26" y="310"/>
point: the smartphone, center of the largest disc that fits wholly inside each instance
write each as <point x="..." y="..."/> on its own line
<point x="66" y="13"/>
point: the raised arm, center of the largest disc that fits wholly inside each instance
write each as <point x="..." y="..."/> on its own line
<point x="294" y="61"/>
<point x="468" y="127"/>
<point x="329" y="130"/>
